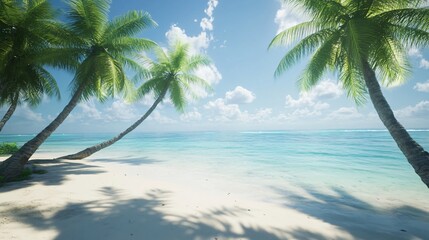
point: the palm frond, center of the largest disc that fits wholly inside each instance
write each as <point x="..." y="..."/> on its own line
<point x="319" y="62"/>
<point x="177" y="96"/>
<point x="296" y="32"/>
<point x="128" y="45"/>
<point x="127" y="25"/>
<point x="407" y="17"/>
<point x="352" y="79"/>
<point x="391" y="62"/>
<point x="303" y="48"/>
<point x="89" y="17"/>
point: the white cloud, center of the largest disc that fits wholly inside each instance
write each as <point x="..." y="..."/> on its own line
<point x="225" y="111"/>
<point x="288" y="16"/>
<point x="207" y="22"/>
<point x="239" y="95"/>
<point x="415" y="52"/>
<point x="209" y="73"/>
<point x="325" y="90"/>
<point x="121" y="111"/>
<point x="197" y="44"/>
<point x="311" y="103"/>
<point x="147" y="100"/>
<point x="424" y="63"/>
<point x="422" y="87"/>
<point x="26" y="113"/>
<point x="158" y="117"/>
<point x="421" y="109"/>
<point x="344" y="113"/>
<point x="262" y="114"/>
<point x="191" y="116"/>
<point x="89" y="110"/>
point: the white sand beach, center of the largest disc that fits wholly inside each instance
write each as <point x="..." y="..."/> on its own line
<point x="113" y="198"/>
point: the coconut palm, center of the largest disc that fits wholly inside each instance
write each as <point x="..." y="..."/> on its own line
<point x="104" y="48"/>
<point x="173" y="74"/>
<point x="27" y="29"/>
<point x="361" y="40"/>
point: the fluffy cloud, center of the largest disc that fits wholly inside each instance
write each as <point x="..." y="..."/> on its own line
<point x="415" y="52"/>
<point x="424" y="63"/>
<point x="89" y="110"/>
<point x="288" y="16"/>
<point x="422" y="87"/>
<point x="197" y="44"/>
<point x="191" y="116"/>
<point x="224" y="111"/>
<point x="421" y="109"/>
<point x="158" y="117"/>
<point x="26" y="113"/>
<point x="345" y="113"/>
<point x="121" y="111"/>
<point x="311" y="103"/>
<point x="207" y="22"/>
<point x="239" y="95"/>
<point x="325" y="90"/>
<point x="228" y="109"/>
<point x="209" y="73"/>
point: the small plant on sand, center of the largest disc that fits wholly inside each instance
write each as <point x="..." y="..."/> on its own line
<point x="8" y="148"/>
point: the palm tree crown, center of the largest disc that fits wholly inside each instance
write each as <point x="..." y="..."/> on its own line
<point x="174" y="71"/>
<point x="360" y="40"/>
<point x="27" y="30"/>
<point x="344" y="33"/>
<point x="104" y="47"/>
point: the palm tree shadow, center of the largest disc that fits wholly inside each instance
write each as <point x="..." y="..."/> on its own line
<point x="363" y="220"/>
<point x="136" y="161"/>
<point x="56" y="173"/>
<point x="141" y="218"/>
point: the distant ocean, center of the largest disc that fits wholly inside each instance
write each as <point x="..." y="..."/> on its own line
<point x="364" y="161"/>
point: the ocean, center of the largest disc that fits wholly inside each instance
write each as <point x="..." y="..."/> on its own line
<point x="364" y="162"/>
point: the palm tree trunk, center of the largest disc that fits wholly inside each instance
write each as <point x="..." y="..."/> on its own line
<point x="415" y="154"/>
<point x="9" y="113"/>
<point x="13" y="166"/>
<point x="91" y="150"/>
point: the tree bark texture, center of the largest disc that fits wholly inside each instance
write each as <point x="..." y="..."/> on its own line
<point x="9" y="113"/>
<point x="415" y="154"/>
<point x="91" y="150"/>
<point x="13" y="166"/>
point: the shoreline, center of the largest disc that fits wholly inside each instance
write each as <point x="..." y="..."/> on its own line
<point x="133" y="198"/>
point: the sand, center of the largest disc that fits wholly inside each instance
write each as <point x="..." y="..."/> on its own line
<point x="110" y="198"/>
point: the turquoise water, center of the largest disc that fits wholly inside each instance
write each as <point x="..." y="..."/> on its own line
<point x="356" y="160"/>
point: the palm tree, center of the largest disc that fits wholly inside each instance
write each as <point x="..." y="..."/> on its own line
<point x="27" y="28"/>
<point x="104" y="48"/>
<point x="361" y="40"/>
<point x="173" y="74"/>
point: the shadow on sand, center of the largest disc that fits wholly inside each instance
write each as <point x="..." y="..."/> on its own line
<point x="363" y="220"/>
<point x="57" y="172"/>
<point x="142" y="218"/>
<point x="133" y="161"/>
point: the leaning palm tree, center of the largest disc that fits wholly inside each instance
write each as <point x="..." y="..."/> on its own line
<point x="27" y="29"/>
<point x="104" y="48"/>
<point x="37" y="82"/>
<point x="361" y="40"/>
<point x="173" y="74"/>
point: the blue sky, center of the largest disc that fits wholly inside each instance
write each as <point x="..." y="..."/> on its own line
<point x="246" y="96"/>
